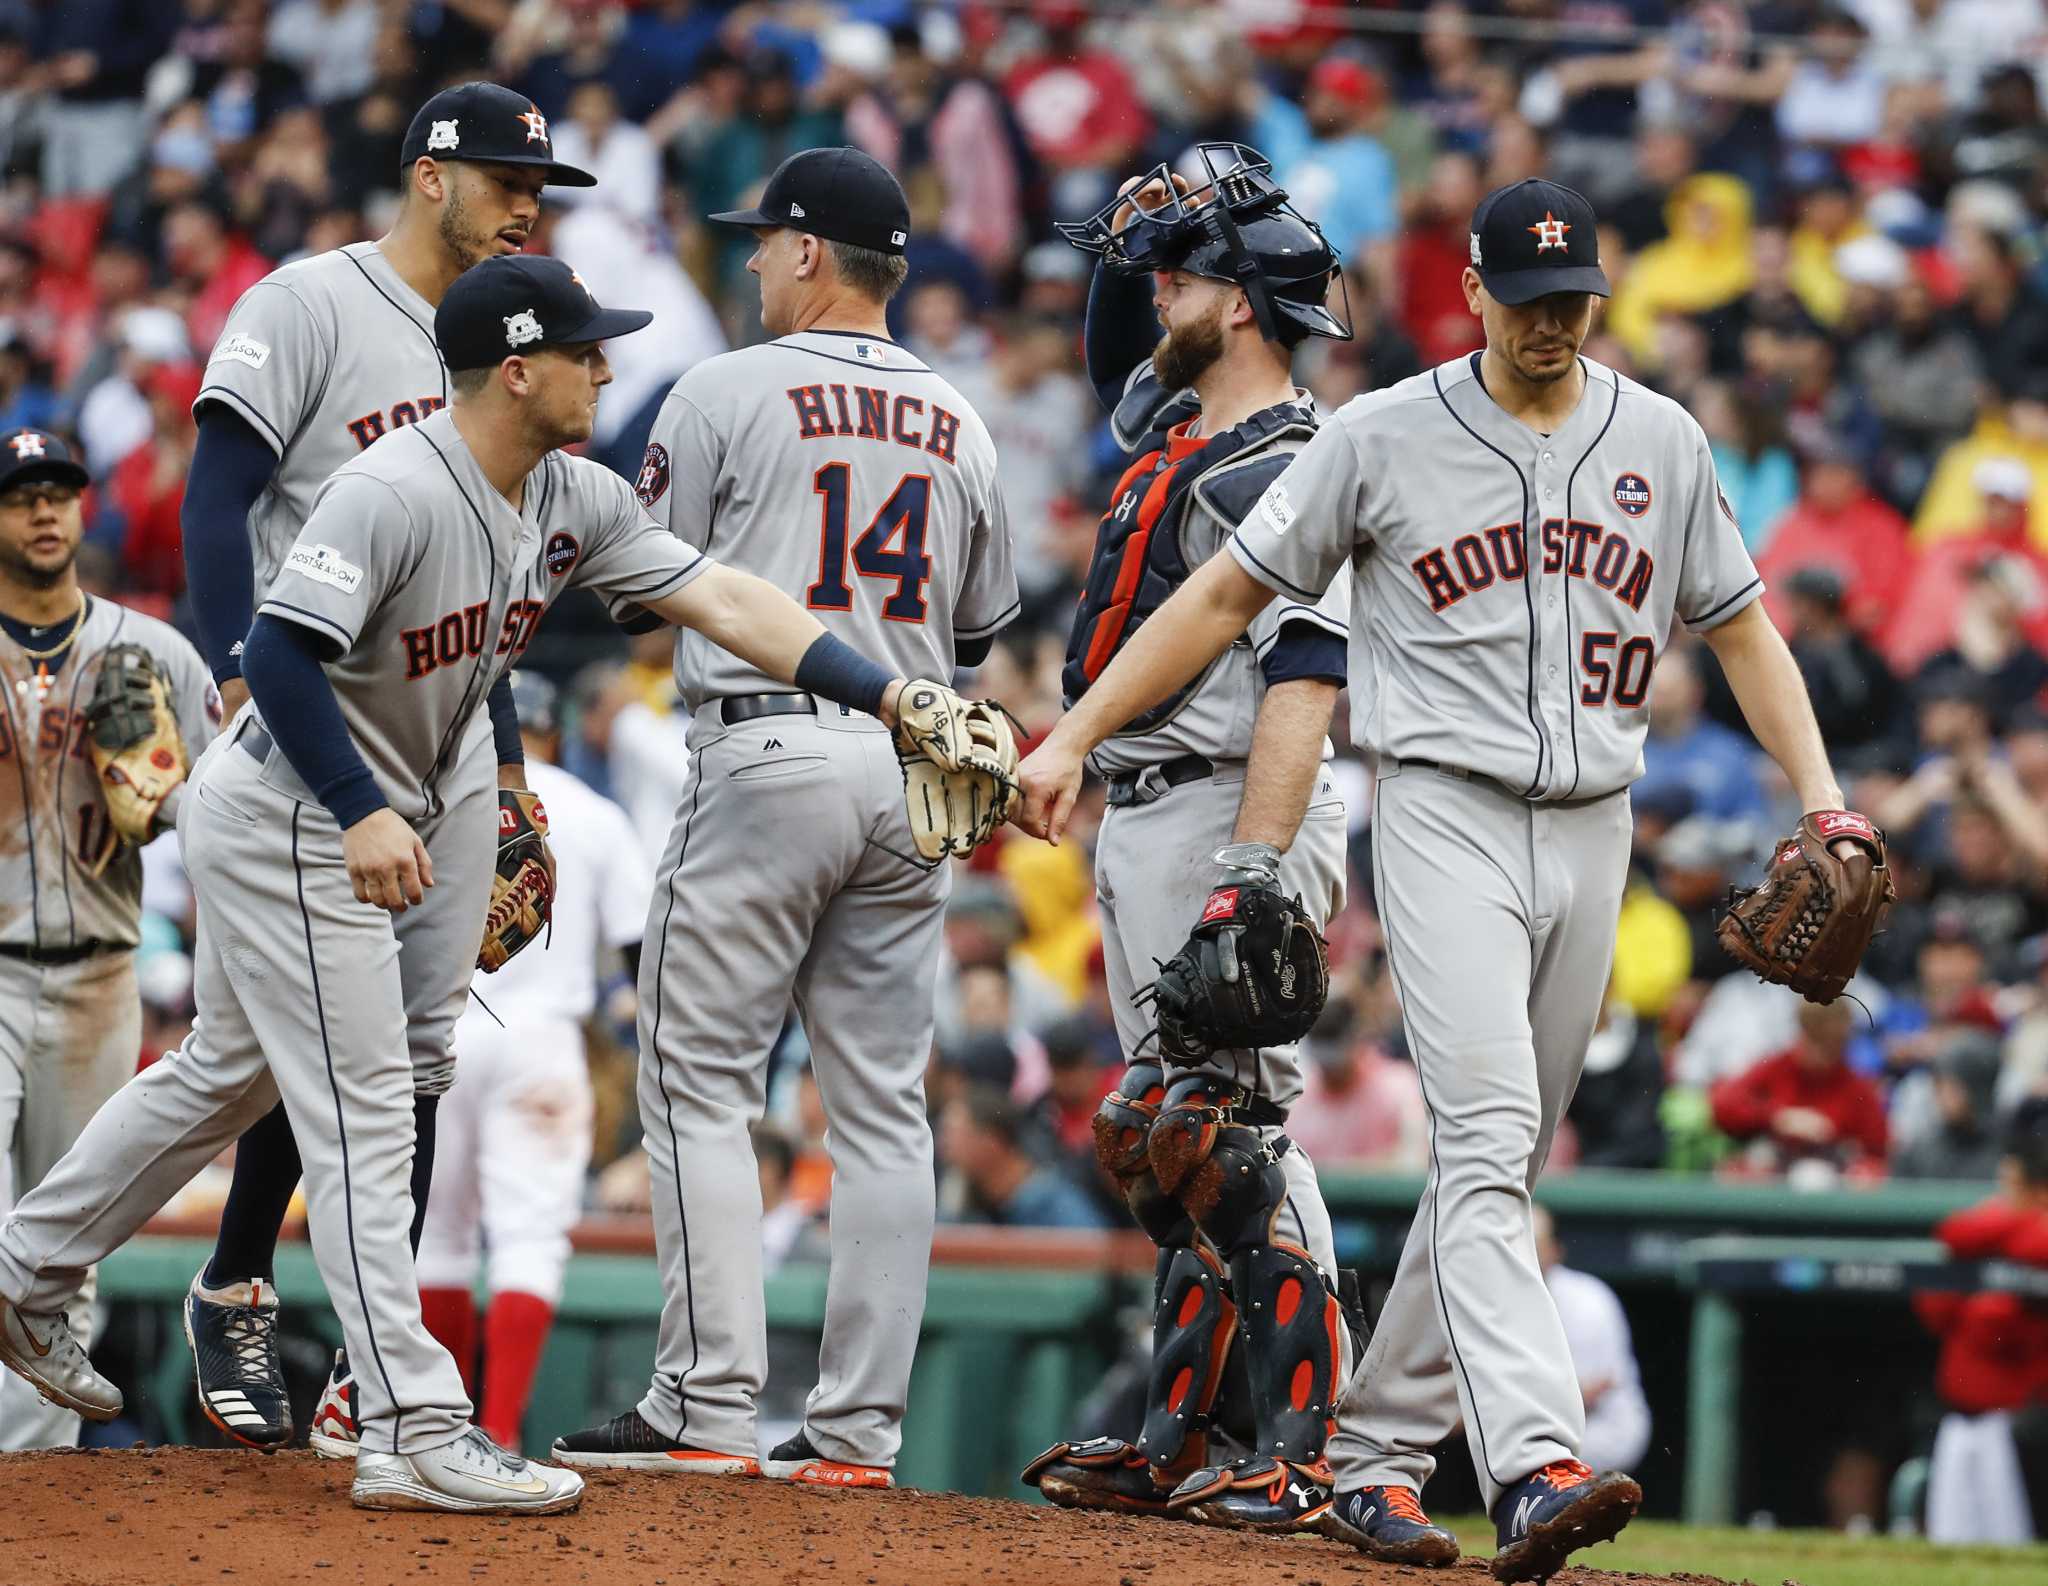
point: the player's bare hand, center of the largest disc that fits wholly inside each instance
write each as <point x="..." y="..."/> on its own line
<point x="234" y="694"/>
<point x="1144" y="194"/>
<point x="1050" y="777"/>
<point x="387" y="862"/>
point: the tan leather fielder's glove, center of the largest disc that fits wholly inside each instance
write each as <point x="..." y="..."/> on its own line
<point x="133" y="740"/>
<point x="956" y="811"/>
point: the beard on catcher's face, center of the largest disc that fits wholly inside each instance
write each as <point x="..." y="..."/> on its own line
<point x="1188" y="350"/>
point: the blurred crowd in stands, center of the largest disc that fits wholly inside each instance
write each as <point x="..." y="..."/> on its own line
<point x="1825" y="229"/>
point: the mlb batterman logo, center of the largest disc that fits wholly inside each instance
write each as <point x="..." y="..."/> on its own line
<point x="1632" y="494"/>
<point x="521" y="328"/>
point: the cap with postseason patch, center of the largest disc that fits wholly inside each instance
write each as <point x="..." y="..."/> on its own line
<point x="519" y="303"/>
<point x="482" y="121"/>
<point x="839" y="194"/>
<point x="1535" y="238"/>
<point x="29" y="455"/>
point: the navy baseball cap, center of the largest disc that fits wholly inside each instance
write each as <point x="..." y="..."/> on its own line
<point x="1535" y="238"/>
<point x="520" y="302"/>
<point x="27" y="455"/>
<point x="839" y="194"/>
<point x="481" y="121"/>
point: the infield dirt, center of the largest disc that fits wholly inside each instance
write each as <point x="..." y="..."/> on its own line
<point x="174" y="1516"/>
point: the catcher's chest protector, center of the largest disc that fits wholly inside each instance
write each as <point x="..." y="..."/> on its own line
<point x="1142" y="551"/>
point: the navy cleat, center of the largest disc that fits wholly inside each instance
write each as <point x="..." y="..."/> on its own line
<point x="1387" y="1523"/>
<point x="1544" y="1518"/>
<point x="1256" y="1494"/>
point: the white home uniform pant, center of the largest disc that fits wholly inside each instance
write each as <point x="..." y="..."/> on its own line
<point x="772" y="887"/>
<point x="1154" y="869"/>
<point x="1976" y="1491"/>
<point x="288" y="964"/>
<point x="69" y="1037"/>
<point x="1500" y="918"/>
<point x="512" y="1143"/>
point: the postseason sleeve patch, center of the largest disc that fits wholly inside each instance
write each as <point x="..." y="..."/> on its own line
<point x="324" y="565"/>
<point x="244" y="349"/>
<point x="1276" y="509"/>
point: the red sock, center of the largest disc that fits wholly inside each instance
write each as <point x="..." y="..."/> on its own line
<point x="515" y="1332"/>
<point x="450" y="1315"/>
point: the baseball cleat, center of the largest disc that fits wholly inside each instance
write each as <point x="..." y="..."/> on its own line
<point x="796" y="1460"/>
<point x="1387" y="1523"/>
<point x="233" y="1334"/>
<point x="627" y="1442"/>
<point x="471" y="1475"/>
<point x="334" y="1433"/>
<point x="1099" y="1473"/>
<point x="41" y="1349"/>
<point x="1256" y="1493"/>
<point x="1561" y="1508"/>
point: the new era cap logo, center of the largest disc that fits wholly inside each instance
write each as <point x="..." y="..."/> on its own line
<point x="521" y="328"/>
<point x="796" y="210"/>
<point x="442" y="135"/>
<point x="536" y="124"/>
<point x="1549" y="232"/>
<point x="27" y="444"/>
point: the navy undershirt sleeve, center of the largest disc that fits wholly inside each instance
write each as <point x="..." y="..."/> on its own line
<point x="1304" y="649"/>
<point x="230" y="467"/>
<point x="505" y="723"/>
<point x="1122" y="331"/>
<point x="281" y="663"/>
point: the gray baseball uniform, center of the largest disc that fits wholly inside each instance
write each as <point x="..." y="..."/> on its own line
<point x="322" y="357"/>
<point x="1512" y="590"/>
<point x="70" y="1019"/>
<point x="848" y="474"/>
<point x="428" y="584"/>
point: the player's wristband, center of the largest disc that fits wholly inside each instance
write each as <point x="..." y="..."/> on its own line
<point x="843" y="675"/>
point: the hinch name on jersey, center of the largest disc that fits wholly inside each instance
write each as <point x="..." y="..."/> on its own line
<point x="873" y="413"/>
<point x="1577" y="549"/>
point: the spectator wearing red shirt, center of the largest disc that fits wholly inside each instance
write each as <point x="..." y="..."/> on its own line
<point x="1430" y="260"/>
<point x="148" y="487"/>
<point x="1077" y="105"/>
<point x="1931" y="601"/>
<point x="210" y="262"/>
<point x="1994" y="1351"/>
<point x="1838" y="524"/>
<point x="1806" y="1104"/>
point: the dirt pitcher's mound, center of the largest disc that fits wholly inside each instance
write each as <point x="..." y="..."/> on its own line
<point x="176" y="1516"/>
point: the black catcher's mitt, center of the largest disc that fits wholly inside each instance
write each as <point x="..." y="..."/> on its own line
<point x="1255" y="972"/>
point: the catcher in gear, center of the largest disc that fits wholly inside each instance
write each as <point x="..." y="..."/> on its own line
<point x="1221" y="817"/>
<point x="1808" y="923"/>
<point x="133" y="740"/>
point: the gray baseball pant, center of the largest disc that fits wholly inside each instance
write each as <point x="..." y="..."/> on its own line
<point x="1500" y="917"/>
<point x="772" y="886"/>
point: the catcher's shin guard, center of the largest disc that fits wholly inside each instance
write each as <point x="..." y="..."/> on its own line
<point x="1192" y="1329"/>
<point x="1123" y="1126"/>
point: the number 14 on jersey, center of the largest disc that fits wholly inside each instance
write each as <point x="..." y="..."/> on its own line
<point x="890" y="548"/>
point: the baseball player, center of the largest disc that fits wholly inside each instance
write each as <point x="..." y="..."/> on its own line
<point x="318" y="360"/>
<point x="70" y="1017"/>
<point x="837" y="466"/>
<point x="1522" y="528"/>
<point x="1222" y="775"/>
<point x="515" y="1135"/>
<point x="416" y="583"/>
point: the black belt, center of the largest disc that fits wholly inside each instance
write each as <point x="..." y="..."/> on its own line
<point x="751" y="707"/>
<point x="1131" y="786"/>
<point x="1463" y="775"/>
<point x="75" y="954"/>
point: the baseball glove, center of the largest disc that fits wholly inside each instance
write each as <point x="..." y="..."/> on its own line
<point x="1807" y="924"/>
<point x="931" y="723"/>
<point x="955" y="812"/>
<point x="1255" y="972"/>
<point x="133" y="739"/>
<point x="523" y="890"/>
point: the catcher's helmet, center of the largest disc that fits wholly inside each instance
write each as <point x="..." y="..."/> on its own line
<point x="1237" y="226"/>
